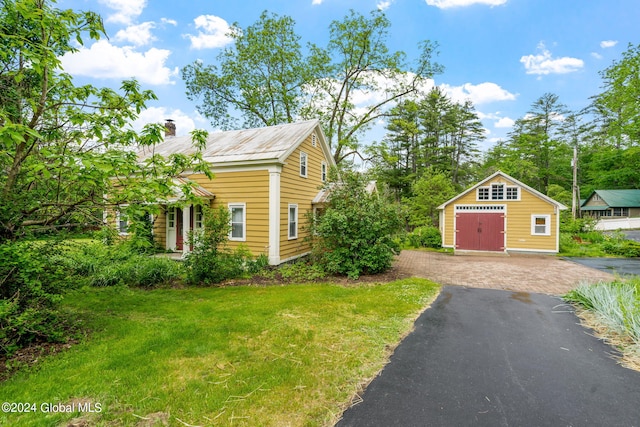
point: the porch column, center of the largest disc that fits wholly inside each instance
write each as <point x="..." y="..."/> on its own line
<point x="274" y="216"/>
<point x="186" y="228"/>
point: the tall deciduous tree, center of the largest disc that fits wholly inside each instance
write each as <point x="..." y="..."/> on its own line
<point x="618" y="106"/>
<point x="267" y="79"/>
<point x="261" y="76"/>
<point x="65" y="148"/>
<point x="358" y="64"/>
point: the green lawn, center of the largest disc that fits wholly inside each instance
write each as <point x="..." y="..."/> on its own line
<point x="279" y="355"/>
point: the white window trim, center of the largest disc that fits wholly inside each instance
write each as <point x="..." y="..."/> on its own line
<point x="292" y="205"/>
<point x="323" y="171"/>
<point x="547" y="219"/>
<point x="306" y="164"/>
<point x="478" y="199"/>
<point x="244" y="221"/>
<point x="198" y="224"/>
<point x="489" y="188"/>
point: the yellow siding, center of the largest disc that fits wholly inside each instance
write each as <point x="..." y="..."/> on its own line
<point x="301" y="191"/>
<point x="251" y="188"/>
<point x="160" y="228"/>
<point x="518" y="219"/>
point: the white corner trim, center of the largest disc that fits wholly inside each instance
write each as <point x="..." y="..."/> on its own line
<point x="274" y="217"/>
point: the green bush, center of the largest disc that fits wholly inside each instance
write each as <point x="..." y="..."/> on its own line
<point x="101" y="265"/>
<point x="626" y="248"/>
<point x="211" y="260"/>
<point x="356" y="233"/>
<point x="32" y="281"/>
<point x="577" y="225"/>
<point x="425" y="237"/>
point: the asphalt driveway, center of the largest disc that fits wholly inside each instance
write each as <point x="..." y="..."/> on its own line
<point x="499" y="358"/>
<point x="620" y="266"/>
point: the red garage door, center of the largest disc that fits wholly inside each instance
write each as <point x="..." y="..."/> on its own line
<point x="480" y="231"/>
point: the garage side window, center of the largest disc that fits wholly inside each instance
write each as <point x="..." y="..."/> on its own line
<point x="541" y="225"/>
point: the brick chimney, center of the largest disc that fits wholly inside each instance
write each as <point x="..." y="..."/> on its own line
<point x="169" y="128"/>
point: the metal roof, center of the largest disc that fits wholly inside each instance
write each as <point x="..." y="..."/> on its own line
<point x="272" y="143"/>
<point x="616" y="198"/>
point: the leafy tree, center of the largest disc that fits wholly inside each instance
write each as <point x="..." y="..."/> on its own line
<point x="261" y="76"/>
<point x="283" y="83"/>
<point x="357" y="60"/>
<point x="617" y="107"/>
<point x="429" y="192"/>
<point x="64" y="147"/>
<point x="355" y="233"/>
<point x="66" y="153"/>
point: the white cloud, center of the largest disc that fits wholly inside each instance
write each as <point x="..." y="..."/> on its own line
<point x="504" y="122"/>
<point x="139" y="35"/>
<point x="608" y="43"/>
<point x="544" y="63"/>
<point x="169" y="21"/>
<point x="482" y="93"/>
<point x="125" y="10"/>
<point x="445" y="4"/>
<point x="103" y="60"/>
<point x="384" y="4"/>
<point x="212" y="34"/>
<point x="596" y="55"/>
<point x="316" y="2"/>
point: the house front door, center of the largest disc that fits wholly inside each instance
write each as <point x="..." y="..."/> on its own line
<point x="179" y="225"/>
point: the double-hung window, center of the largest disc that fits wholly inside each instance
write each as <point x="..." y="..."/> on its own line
<point x="198" y="218"/>
<point x="323" y="171"/>
<point x="303" y="164"/>
<point x="293" y="221"/>
<point x="238" y="221"/>
<point x="123" y="222"/>
<point x="541" y="225"/>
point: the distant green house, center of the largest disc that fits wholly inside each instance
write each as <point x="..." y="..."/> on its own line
<point x="612" y="203"/>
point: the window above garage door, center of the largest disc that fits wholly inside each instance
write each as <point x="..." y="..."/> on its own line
<point x="498" y="191"/>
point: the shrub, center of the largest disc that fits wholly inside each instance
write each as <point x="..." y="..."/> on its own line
<point x="425" y="237"/>
<point x="101" y="265"/>
<point x="355" y="234"/>
<point x="211" y="260"/>
<point x="32" y="281"/>
<point x="626" y="248"/>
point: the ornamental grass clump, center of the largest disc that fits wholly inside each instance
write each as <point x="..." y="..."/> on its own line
<point x="616" y="305"/>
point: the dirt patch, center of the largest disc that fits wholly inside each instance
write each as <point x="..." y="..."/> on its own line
<point x="29" y="356"/>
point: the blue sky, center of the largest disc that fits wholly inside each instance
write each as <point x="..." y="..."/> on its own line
<point x="501" y="54"/>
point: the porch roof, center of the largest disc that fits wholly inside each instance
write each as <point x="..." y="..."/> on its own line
<point x="198" y="191"/>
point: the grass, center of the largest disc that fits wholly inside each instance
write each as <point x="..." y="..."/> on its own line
<point x="613" y="310"/>
<point x="280" y="355"/>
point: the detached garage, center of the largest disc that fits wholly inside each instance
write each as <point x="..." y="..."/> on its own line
<point x="501" y="214"/>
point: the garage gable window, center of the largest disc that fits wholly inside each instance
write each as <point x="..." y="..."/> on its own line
<point x="483" y="193"/>
<point x="498" y="192"/>
<point x="541" y="225"/>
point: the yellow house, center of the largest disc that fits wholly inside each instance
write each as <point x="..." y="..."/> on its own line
<point x="501" y="214"/>
<point x="266" y="177"/>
